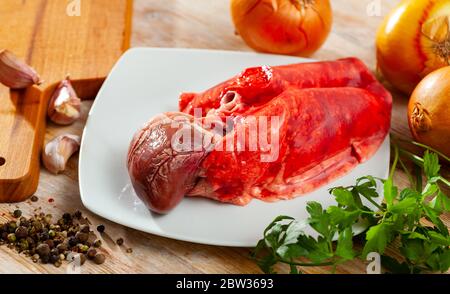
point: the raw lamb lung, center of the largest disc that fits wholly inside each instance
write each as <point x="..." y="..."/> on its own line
<point x="331" y="116"/>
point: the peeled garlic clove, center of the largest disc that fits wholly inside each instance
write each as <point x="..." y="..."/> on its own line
<point x="58" y="151"/>
<point x="64" y="106"/>
<point x="16" y="74"/>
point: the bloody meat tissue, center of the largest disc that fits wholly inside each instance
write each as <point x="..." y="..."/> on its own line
<point x="270" y="133"/>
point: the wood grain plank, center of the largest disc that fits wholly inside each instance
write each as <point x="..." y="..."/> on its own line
<point x="55" y="44"/>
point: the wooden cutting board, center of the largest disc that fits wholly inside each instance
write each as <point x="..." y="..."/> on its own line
<point x="56" y="37"/>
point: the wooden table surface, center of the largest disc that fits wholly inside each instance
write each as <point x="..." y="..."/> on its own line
<point x="193" y="24"/>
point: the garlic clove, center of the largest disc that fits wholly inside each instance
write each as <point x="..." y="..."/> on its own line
<point x="64" y="106"/>
<point x="16" y="74"/>
<point x="58" y="151"/>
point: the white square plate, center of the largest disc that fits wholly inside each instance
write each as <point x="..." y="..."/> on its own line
<point x="146" y="82"/>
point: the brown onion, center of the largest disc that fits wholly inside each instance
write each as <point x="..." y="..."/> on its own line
<point x="296" y="27"/>
<point x="429" y="111"/>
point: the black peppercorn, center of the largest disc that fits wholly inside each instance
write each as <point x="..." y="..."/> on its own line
<point x="99" y="258"/>
<point x="21" y="232"/>
<point x="77" y="214"/>
<point x="85" y="229"/>
<point x="45" y="259"/>
<point x="73" y="241"/>
<point x="119" y="241"/>
<point x="34" y="198"/>
<point x="82" y="259"/>
<point x="54" y="256"/>
<point x="43" y="250"/>
<point x="30" y="241"/>
<point x="100" y="228"/>
<point x="91" y="253"/>
<point x="62" y="247"/>
<point x="43" y="236"/>
<point x="50" y="243"/>
<point x="82" y="237"/>
<point x="67" y="217"/>
<point x="24" y="222"/>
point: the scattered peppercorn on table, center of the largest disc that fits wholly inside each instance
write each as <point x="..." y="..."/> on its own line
<point x="181" y="23"/>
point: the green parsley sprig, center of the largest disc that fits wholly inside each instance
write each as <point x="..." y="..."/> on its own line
<point x="410" y="216"/>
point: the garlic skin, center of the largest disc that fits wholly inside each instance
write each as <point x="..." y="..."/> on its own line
<point x="58" y="151"/>
<point x="64" y="106"/>
<point x="16" y="74"/>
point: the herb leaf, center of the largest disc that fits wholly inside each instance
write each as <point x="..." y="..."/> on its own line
<point x="424" y="248"/>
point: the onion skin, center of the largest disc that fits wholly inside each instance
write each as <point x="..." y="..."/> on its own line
<point x="428" y="111"/>
<point x="293" y="27"/>
<point x="405" y="52"/>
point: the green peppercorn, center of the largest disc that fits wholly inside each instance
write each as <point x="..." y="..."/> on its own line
<point x="17" y="213"/>
<point x="98" y="243"/>
<point x="23" y="245"/>
<point x="12" y="226"/>
<point x="51" y="234"/>
<point x="12" y="238"/>
<point x="83" y="248"/>
<point x="129" y="250"/>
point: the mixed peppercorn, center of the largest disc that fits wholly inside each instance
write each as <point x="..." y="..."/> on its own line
<point x="46" y="241"/>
